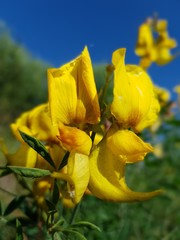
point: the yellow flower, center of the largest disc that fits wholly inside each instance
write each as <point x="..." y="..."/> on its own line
<point x="145" y="47"/>
<point x="74" y="106"/>
<point x="154" y="49"/>
<point x="77" y="176"/>
<point x="177" y="89"/>
<point x="36" y="123"/>
<point x="163" y="95"/>
<point x="134" y="104"/>
<point x="41" y="188"/>
<point x="164" y="43"/>
<point x="72" y="92"/>
<point x="107" y="167"/>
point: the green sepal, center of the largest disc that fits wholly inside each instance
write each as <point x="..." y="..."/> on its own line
<point x="38" y="147"/>
<point x="29" y="172"/>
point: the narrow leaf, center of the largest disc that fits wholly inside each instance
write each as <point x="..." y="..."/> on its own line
<point x="86" y="224"/>
<point x="38" y="147"/>
<point x="14" y="204"/>
<point x="19" y="233"/>
<point x="51" y="205"/>
<point x="55" y="193"/>
<point x="0" y="209"/>
<point x="30" y="172"/>
<point x="64" y="161"/>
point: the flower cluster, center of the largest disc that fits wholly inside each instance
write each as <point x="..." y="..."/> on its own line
<point x="154" y="43"/>
<point x="97" y="140"/>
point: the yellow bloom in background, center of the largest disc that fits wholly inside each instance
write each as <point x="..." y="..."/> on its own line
<point x="145" y="46"/>
<point x="134" y="104"/>
<point x="107" y="167"/>
<point x="72" y="92"/>
<point x="163" y="95"/>
<point x="154" y="43"/>
<point x="177" y="89"/>
<point x="164" y="43"/>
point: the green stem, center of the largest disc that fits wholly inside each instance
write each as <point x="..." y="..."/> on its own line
<point x="104" y="90"/>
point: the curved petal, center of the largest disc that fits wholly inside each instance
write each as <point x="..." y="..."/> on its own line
<point x="73" y="138"/>
<point x="77" y="175"/>
<point x="107" y="177"/>
<point x="72" y="92"/>
<point x="127" y="145"/>
<point x="134" y="104"/>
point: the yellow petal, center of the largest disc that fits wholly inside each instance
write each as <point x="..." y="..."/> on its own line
<point x="73" y="138"/>
<point x="36" y="123"/>
<point x="177" y="89"/>
<point x="77" y="176"/>
<point x="107" y="177"/>
<point x="127" y="145"/>
<point x="145" y="42"/>
<point x="134" y="104"/>
<point x="24" y="157"/>
<point x="72" y="92"/>
<point x="163" y="95"/>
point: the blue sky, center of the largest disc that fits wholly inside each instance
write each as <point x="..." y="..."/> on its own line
<point x="56" y="31"/>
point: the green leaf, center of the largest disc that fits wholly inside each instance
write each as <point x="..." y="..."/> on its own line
<point x="14" y="204"/>
<point x="19" y="233"/>
<point x="0" y="209"/>
<point x="55" y="197"/>
<point x="73" y="232"/>
<point x="38" y="147"/>
<point x="86" y="224"/>
<point x="4" y="172"/>
<point x="51" y="206"/>
<point x="29" y="172"/>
